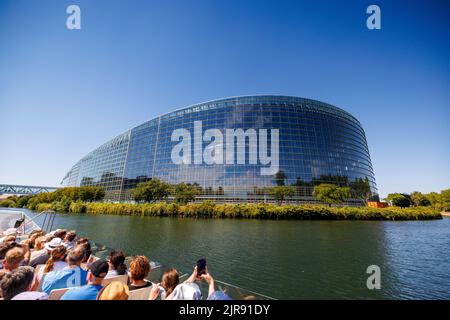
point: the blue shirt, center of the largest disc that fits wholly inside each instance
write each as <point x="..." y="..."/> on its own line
<point x="65" y="278"/>
<point x="87" y="292"/>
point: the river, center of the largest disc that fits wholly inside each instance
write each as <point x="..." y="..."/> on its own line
<point x="289" y="259"/>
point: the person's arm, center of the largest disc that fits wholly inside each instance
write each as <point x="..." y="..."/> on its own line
<point x="35" y="284"/>
<point x="193" y="276"/>
<point x="154" y="293"/>
<point x="207" y="277"/>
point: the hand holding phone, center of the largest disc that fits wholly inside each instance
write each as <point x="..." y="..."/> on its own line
<point x="201" y="267"/>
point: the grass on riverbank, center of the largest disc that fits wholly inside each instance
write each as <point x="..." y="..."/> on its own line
<point x="252" y="211"/>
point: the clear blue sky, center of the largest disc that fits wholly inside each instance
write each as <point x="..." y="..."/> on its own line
<point x="63" y="93"/>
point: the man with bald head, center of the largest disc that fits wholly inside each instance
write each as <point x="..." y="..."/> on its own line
<point x="71" y="276"/>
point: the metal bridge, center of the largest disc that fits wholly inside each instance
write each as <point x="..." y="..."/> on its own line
<point x="23" y="190"/>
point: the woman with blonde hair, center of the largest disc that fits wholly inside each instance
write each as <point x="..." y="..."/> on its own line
<point x="57" y="261"/>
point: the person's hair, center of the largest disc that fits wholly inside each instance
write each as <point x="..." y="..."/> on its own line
<point x="87" y="249"/>
<point x="14" y="256"/>
<point x="9" y="239"/>
<point x="58" y="254"/>
<point x="170" y="280"/>
<point x="4" y="248"/>
<point x="117" y="260"/>
<point x="39" y="242"/>
<point x="60" y="233"/>
<point x="35" y="233"/>
<point x="32" y="237"/>
<point x="76" y="255"/>
<point x="17" y="281"/>
<point x="71" y="235"/>
<point x="82" y="240"/>
<point x="49" y="237"/>
<point x="139" y="268"/>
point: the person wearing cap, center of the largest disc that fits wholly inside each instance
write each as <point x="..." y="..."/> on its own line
<point x="97" y="272"/>
<point x="41" y="256"/>
<point x="116" y="290"/>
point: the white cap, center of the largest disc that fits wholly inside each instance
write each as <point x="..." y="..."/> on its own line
<point x="54" y="243"/>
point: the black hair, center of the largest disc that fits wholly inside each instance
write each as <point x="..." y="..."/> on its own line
<point x="117" y="259"/>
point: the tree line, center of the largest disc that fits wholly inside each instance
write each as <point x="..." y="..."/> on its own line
<point x="438" y="200"/>
<point x="156" y="190"/>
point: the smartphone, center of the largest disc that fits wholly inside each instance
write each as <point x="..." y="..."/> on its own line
<point x="201" y="267"/>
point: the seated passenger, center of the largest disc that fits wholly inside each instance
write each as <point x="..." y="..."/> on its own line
<point x="16" y="285"/>
<point x="188" y="290"/>
<point x="69" y="239"/>
<point x="56" y="262"/>
<point x="97" y="272"/>
<point x="32" y="238"/>
<point x="139" y="270"/>
<point x="41" y="256"/>
<point x="14" y="258"/>
<point x="60" y="233"/>
<point x="117" y="265"/>
<point x="70" y="276"/>
<point x="169" y="282"/>
<point x="84" y="242"/>
<point x="4" y="248"/>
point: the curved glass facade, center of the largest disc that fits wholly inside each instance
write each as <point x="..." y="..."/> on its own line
<point x="318" y="143"/>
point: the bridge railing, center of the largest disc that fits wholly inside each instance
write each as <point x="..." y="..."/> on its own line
<point x="23" y="190"/>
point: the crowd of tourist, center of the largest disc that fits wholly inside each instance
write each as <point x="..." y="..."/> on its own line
<point x="43" y="264"/>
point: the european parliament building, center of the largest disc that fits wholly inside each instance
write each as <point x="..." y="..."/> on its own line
<point x="234" y="150"/>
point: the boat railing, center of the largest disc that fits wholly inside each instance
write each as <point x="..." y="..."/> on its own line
<point x="29" y="224"/>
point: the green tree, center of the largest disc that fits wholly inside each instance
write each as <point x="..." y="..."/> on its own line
<point x="23" y="201"/>
<point x="360" y="189"/>
<point x="185" y="193"/>
<point x="419" y="200"/>
<point x="331" y="194"/>
<point x="151" y="191"/>
<point x="62" y="205"/>
<point x="281" y="192"/>
<point x="436" y="200"/>
<point x="399" y="200"/>
<point x="445" y="198"/>
<point x="280" y="178"/>
<point x="7" y="203"/>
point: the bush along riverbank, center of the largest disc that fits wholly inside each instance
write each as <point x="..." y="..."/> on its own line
<point x="209" y="209"/>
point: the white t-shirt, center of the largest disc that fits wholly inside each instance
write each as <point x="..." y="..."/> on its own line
<point x="111" y="273"/>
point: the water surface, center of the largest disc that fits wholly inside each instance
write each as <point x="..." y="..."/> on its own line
<point x="289" y="259"/>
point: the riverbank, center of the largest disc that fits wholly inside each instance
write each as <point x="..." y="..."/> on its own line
<point x="251" y="211"/>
